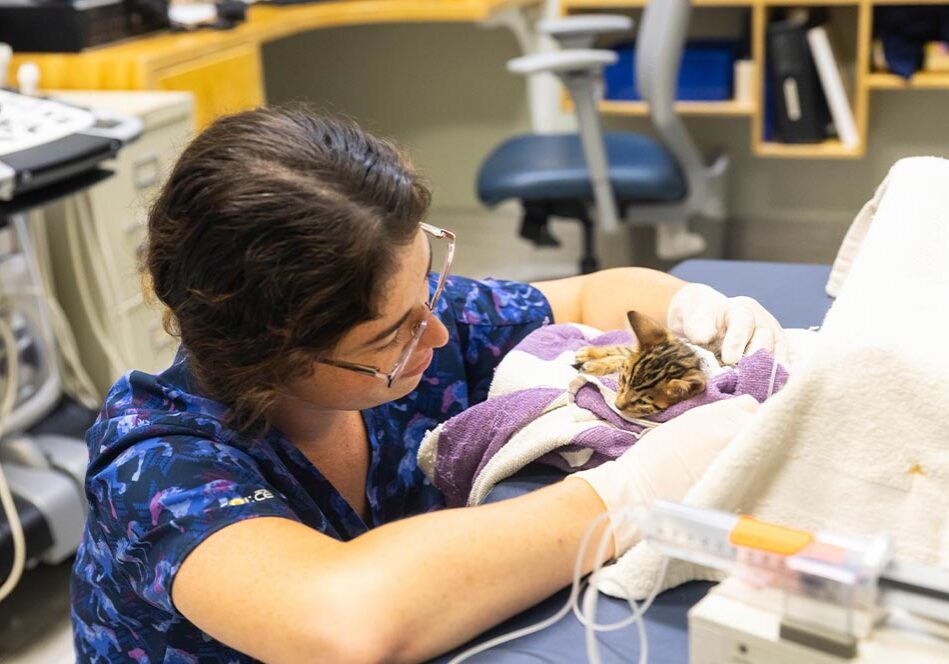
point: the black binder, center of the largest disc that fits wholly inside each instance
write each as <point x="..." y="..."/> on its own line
<point x="801" y="114"/>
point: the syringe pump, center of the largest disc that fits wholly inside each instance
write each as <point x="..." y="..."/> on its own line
<point x="797" y="596"/>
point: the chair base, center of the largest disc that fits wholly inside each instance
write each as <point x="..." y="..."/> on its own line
<point x="674" y="240"/>
<point x="535" y="226"/>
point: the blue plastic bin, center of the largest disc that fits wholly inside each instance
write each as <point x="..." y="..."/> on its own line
<point x="707" y="72"/>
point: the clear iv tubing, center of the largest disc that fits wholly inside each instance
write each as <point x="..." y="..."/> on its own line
<point x="589" y="602"/>
<point x="773" y="376"/>
<point x="587" y="613"/>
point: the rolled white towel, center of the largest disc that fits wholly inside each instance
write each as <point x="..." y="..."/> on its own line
<point x="852" y="240"/>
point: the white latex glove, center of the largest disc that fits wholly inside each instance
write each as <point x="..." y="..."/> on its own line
<point x="666" y="462"/>
<point x="702" y="315"/>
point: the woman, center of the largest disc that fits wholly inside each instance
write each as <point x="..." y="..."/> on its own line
<point x="249" y="501"/>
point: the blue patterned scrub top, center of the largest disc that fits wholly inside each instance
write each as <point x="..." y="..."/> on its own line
<point x="165" y="473"/>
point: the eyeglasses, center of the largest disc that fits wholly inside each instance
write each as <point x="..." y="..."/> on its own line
<point x="435" y="233"/>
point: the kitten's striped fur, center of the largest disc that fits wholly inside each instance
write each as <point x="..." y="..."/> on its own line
<point x="660" y="372"/>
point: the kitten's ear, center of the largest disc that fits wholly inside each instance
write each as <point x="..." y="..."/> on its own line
<point x="683" y="388"/>
<point x="648" y="332"/>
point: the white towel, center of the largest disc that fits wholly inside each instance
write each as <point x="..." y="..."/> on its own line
<point x="857" y="442"/>
<point x="852" y="240"/>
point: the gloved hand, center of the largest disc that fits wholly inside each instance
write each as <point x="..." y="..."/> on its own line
<point x="666" y="462"/>
<point x="702" y="315"/>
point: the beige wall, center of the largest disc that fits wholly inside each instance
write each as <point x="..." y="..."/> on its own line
<point x="442" y="92"/>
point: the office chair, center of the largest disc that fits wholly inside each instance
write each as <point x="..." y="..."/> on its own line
<point x="664" y="182"/>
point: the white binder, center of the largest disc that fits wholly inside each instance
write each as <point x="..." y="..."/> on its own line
<point x="833" y="86"/>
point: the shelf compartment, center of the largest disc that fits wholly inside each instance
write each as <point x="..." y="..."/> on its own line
<point x="568" y="5"/>
<point x="829" y="149"/>
<point x="726" y="109"/>
<point x="920" y="81"/>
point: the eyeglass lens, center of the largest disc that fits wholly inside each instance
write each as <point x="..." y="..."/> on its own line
<point x="442" y="250"/>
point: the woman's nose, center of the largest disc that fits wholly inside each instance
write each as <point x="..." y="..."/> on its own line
<point x="436" y="334"/>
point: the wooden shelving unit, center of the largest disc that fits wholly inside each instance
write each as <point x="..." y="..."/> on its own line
<point x="829" y="149"/>
<point x="920" y="81"/>
<point x="852" y="20"/>
<point x="573" y="5"/>
<point x="723" y="109"/>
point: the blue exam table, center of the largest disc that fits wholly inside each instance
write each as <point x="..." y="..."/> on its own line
<point x="794" y="293"/>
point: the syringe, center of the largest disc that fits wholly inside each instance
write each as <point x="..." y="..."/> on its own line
<point x="844" y="570"/>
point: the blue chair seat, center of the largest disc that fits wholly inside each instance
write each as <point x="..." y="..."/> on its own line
<point x="551" y="167"/>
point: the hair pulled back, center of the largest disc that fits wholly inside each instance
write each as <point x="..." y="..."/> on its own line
<point x="273" y="236"/>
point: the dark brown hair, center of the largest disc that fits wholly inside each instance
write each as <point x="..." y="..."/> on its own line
<point x="272" y="238"/>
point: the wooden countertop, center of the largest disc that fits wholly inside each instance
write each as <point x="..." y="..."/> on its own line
<point x="267" y="23"/>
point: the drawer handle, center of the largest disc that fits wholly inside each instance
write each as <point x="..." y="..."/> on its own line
<point x="147" y="171"/>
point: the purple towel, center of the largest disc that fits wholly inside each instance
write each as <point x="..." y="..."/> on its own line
<point x="467" y="442"/>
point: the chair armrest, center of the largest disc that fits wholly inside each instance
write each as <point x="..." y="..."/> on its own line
<point x="561" y="61"/>
<point x="580" y="31"/>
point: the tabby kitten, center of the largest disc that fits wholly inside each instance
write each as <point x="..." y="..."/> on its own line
<point x="660" y="373"/>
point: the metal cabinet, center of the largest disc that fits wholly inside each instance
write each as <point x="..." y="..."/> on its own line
<point x="95" y="238"/>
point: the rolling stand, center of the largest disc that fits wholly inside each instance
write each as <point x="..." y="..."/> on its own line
<point x="48" y="150"/>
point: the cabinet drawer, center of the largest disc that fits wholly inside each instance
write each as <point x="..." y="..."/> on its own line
<point x="120" y="204"/>
<point x="146" y="163"/>
<point x="153" y="348"/>
<point x="224" y="82"/>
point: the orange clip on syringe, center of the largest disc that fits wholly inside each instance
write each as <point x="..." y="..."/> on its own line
<point x="754" y="534"/>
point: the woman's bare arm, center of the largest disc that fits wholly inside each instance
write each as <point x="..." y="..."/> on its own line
<point x="601" y="299"/>
<point x="405" y="591"/>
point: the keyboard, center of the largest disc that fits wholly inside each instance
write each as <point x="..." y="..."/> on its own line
<point x="44" y="141"/>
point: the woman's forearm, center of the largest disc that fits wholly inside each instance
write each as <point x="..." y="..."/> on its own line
<point x="450" y="575"/>
<point x="601" y="299"/>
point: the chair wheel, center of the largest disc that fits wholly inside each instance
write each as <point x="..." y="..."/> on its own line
<point x="537" y="230"/>
<point x="588" y="265"/>
<point x="545" y="238"/>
